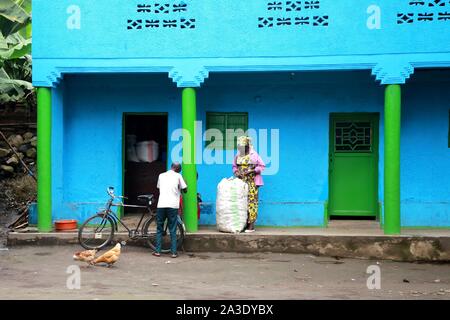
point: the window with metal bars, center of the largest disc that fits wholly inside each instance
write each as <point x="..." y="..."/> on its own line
<point x="223" y="129"/>
<point x="353" y="136"/>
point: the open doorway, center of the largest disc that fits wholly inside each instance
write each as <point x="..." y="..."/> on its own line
<point x="145" y="155"/>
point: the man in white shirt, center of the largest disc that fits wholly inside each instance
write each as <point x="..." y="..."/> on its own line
<point x="170" y="185"/>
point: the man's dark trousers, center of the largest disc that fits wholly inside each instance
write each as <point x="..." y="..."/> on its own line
<point x="171" y="215"/>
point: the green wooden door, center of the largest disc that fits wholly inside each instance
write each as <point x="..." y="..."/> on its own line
<point x="353" y="164"/>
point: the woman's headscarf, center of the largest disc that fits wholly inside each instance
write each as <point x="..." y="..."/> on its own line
<point x="244" y="141"/>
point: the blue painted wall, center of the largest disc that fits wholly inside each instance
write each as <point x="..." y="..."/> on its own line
<point x="299" y="106"/>
<point x="87" y="137"/>
<point x="388" y="37"/>
<point x="347" y="27"/>
<point x="425" y="153"/>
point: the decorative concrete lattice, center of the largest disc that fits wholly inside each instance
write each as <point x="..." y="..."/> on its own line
<point x="425" y="11"/>
<point x="162" y="16"/>
<point x="307" y="9"/>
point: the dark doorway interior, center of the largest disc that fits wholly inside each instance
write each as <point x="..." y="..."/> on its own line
<point x="145" y="155"/>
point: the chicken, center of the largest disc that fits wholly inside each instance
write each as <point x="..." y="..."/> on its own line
<point x="86" y="256"/>
<point x="109" y="257"/>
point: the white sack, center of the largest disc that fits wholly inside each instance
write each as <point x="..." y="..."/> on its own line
<point x="231" y="205"/>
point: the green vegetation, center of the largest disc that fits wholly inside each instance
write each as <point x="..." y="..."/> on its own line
<point x="15" y="52"/>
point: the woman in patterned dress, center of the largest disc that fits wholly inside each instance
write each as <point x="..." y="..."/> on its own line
<point x="248" y="166"/>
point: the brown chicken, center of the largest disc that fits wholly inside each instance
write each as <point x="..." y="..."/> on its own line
<point x="86" y="256"/>
<point x="109" y="257"/>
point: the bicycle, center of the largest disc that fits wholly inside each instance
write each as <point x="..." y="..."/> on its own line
<point x="98" y="230"/>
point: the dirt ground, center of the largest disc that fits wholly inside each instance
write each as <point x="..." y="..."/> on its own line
<point x="33" y="272"/>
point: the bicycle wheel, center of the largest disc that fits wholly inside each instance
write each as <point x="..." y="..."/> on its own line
<point x="96" y="232"/>
<point x="149" y="231"/>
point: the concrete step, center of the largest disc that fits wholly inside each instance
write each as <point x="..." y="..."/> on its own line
<point x="429" y="248"/>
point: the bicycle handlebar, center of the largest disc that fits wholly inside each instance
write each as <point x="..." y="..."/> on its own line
<point x="110" y="191"/>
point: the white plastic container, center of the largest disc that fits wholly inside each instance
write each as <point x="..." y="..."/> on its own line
<point x="147" y="151"/>
<point x="131" y="154"/>
<point x="131" y="148"/>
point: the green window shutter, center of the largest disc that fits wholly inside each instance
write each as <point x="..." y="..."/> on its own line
<point x="215" y="121"/>
<point x="238" y="123"/>
<point x="222" y="121"/>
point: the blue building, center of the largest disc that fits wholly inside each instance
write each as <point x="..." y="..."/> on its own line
<point x="348" y="103"/>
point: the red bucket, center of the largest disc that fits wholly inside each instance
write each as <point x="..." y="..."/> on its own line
<point x="64" y="225"/>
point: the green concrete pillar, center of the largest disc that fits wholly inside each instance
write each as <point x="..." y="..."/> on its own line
<point x="392" y="124"/>
<point x="189" y="116"/>
<point x="44" y="169"/>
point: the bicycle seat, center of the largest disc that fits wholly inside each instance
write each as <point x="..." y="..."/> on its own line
<point x="145" y="198"/>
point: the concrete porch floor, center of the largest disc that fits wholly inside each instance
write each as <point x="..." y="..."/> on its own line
<point x="338" y="228"/>
<point x="334" y="228"/>
<point x="351" y="239"/>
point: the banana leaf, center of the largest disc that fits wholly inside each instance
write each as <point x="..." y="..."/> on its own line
<point x="12" y="90"/>
<point x="13" y="17"/>
<point x="13" y="47"/>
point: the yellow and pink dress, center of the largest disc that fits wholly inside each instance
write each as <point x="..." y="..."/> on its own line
<point x="242" y="164"/>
